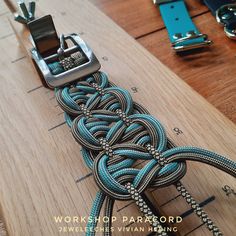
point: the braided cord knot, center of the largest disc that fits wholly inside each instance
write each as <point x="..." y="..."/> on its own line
<point x="106" y="147"/>
<point x="124" y="117"/>
<point x="85" y="111"/>
<point x="156" y="155"/>
<point x="98" y="89"/>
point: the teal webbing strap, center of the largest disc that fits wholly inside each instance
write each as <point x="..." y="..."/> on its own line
<point x="182" y="32"/>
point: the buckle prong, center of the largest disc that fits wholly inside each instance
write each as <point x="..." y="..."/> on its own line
<point x="61" y="49"/>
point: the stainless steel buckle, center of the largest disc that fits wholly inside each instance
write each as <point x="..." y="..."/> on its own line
<point x="225" y="13"/>
<point x="190" y="35"/>
<point x="48" y="49"/>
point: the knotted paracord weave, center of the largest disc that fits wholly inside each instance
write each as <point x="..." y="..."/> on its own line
<point x="116" y="134"/>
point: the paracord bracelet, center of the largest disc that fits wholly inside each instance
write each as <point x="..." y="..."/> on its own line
<point x="115" y="133"/>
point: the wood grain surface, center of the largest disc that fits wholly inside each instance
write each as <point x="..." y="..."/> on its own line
<point x="141" y="17"/>
<point x="210" y="72"/>
<point x="42" y="174"/>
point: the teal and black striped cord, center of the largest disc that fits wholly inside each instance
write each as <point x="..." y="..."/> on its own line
<point x="116" y="134"/>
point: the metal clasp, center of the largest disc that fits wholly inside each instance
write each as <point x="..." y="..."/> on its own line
<point x="189" y="36"/>
<point x="226" y="15"/>
<point x="60" y="60"/>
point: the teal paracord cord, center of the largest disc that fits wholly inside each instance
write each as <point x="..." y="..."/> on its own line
<point x="117" y="133"/>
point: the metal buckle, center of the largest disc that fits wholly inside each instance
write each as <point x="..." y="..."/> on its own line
<point x="49" y="50"/>
<point x="223" y="15"/>
<point x="190" y="35"/>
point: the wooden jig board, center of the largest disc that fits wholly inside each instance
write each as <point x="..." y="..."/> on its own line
<point x="42" y="174"/>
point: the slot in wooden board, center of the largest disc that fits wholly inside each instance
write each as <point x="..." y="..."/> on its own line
<point x="42" y="172"/>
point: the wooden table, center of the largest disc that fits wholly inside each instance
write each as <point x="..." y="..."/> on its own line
<point x="42" y="174"/>
<point x="210" y="72"/>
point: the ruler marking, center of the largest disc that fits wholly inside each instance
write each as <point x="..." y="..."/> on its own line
<point x="199" y="226"/>
<point x="4" y="13"/>
<point x="84" y="177"/>
<point x="6" y="36"/>
<point x="172" y="199"/>
<point x="56" y="126"/>
<point x="32" y="90"/>
<point x="18" y="59"/>
<point x="122" y="208"/>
